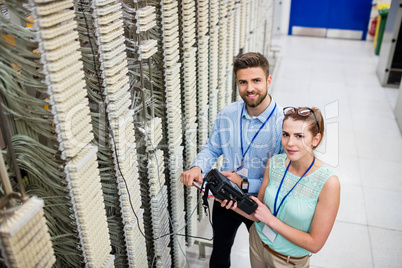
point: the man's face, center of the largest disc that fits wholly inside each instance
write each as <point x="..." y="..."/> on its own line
<point x="253" y="85"/>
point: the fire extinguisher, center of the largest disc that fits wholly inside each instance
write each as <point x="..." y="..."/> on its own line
<point x="373" y="26"/>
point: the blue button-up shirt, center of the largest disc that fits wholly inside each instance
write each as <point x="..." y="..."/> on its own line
<point x="225" y="140"/>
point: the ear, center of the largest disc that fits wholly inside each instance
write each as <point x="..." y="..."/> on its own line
<point x="269" y="80"/>
<point x="316" y="140"/>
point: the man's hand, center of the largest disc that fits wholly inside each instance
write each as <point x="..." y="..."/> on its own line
<point x="233" y="176"/>
<point x="193" y="174"/>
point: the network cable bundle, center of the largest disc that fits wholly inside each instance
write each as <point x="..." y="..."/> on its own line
<point x="256" y="30"/>
<point x="89" y="50"/>
<point x="152" y="166"/>
<point x="167" y="96"/>
<point x="230" y="46"/>
<point x="237" y="11"/>
<point x="53" y="139"/>
<point x="228" y="32"/>
<point x="240" y="40"/>
<point x="223" y="52"/>
<point x="213" y="62"/>
<point x="188" y="54"/>
<point x="270" y="7"/>
<point x="71" y="117"/>
<point x="104" y="53"/>
<point x="249" y="25"/>
<point x="231" y="13"/>
<point x="242" y="21"/>
<point x="160" y="213"/>
<point x="218" y="96"/>
<point x="24" y="240"/>
<point x="202" y="70"/>
<point x="189" y="77"/>
<point x="177" y="196"/>
<point x="24" y="236"/>
<point x="223" y="35"/>
<point x="259" y="28"/>
<point x="154" y="195"/>
<point x="266" y="29"/>
<point x="202" y="11"/>
<point x="159" y="216"/>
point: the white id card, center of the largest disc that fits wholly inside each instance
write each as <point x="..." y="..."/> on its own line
<point x="242" y="172"/>
<point x="269" y="233"/>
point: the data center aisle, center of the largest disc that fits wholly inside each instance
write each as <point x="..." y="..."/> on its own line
<point x="363" y="145"/>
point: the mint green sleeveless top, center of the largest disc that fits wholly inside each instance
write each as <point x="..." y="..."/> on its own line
<point x="298" y="208"/>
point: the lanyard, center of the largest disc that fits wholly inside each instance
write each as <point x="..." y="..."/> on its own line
<point x="241" y="135"/>
<point x="280" y="185"/>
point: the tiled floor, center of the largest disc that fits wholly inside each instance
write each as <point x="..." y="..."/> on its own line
<point x="363" y="145"/>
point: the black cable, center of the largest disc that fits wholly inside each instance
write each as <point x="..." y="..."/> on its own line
<point x="199" y="237"/>
<point x="108" y="122"/>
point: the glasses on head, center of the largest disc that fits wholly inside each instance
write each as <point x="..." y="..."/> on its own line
<point x="302" y="111"/>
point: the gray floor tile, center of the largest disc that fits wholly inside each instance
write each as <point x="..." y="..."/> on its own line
<point x="365" y="79"/>
<point x="381" y="174"/>
<point x="241" y="241"/>
<point x="366" y="92"/>
<point x="387" y="247"/>
<point x="240" y="260"/>
<point x="364" y="107"/>
<point x="383" y="208"/>
<point x="348" y="247"/>
<point x="382" y="127"/>
<point x="348" y="170"/>
<point x="326" y="89"/>
<point x="352" y="207"/>
<point x="392" y="96"/>
<point x="347" y="141"/>
<point x="374" y="147"/>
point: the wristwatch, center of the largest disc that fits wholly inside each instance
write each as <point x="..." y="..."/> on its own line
<point x="244" y="186"/>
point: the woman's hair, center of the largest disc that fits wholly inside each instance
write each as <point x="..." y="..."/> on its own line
<point x="310" y="121"/>
<point x="250" y="60"/>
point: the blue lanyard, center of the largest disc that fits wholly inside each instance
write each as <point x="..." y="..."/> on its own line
<point x="280" y="185"/>
<point x="241" y="135"/>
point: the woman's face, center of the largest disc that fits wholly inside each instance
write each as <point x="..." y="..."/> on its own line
<point x="297" y="139"/>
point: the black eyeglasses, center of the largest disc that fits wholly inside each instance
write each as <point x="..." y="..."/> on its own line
<point x="302" y="111"/>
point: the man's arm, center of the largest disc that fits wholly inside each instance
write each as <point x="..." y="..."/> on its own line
<point x="205" y="159"/>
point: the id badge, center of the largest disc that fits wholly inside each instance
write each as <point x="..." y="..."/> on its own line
<point x="269" y="233"/>
<point x="242" y="172"/>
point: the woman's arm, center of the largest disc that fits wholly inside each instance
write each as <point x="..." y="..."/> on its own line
<point x="265" y="182"/>
<point x="233" y="206"/>
<point x="323" y="220"/>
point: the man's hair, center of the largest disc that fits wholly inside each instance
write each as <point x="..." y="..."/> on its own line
<point x="249" y="60"/>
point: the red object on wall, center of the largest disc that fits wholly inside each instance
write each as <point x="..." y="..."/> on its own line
<point x="373" y="26"/>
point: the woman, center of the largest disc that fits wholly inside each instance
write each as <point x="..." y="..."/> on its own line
<point x="298" y="199"/>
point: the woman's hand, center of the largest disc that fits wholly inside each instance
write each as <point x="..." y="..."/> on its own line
<point x="227" y="204"/>
<point x="262" y="213"/>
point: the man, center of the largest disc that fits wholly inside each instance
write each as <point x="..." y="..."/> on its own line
<point x="247" y="133"/>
